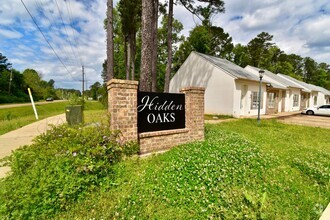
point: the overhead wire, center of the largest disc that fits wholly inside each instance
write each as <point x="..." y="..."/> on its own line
<point x="53" y="26"/>
<point x="70" y="57"/>
<point x="66" y="31"/>
<point x="49" y="44"/>
<point x="68" y="7"/>
<point x="69" y="10"/>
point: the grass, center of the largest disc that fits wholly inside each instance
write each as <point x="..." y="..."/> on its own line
<point x="216" y="117"/>
<point x="241" y="171"/>
<point x="13" y="118"/>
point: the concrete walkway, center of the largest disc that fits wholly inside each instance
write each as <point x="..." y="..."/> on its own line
<point x="24" y="136"/>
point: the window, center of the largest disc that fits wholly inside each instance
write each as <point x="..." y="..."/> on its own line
<point x="295" y="100"/>
<point x="254" y="101"/>
<point x="315" y="100"/>
<point x="271" y="100"/>
<point x="325" y="106"/>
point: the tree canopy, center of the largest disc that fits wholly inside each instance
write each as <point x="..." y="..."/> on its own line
<point x="205" y="37"/>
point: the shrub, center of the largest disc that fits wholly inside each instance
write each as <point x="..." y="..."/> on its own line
<point x="60" y="168"/>
<point x="11" y="99"/>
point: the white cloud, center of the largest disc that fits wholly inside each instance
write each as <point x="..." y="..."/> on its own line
<point x="299" y="27"/>
<point x="10" y="34"/>
<point x="80" y="41"/>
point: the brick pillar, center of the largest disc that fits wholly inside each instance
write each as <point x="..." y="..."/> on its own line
<point x="122" y="102"/>
<point x="194" y="112"/>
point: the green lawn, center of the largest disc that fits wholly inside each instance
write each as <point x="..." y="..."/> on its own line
<point x="13" y="118"/>
<point x="216" y="117"/>
<point x="241" y="171"/>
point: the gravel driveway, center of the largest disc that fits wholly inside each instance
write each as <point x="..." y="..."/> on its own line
<point x="307" y="120"/>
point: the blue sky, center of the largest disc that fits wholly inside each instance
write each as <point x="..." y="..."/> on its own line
<point x="75" y="31"/>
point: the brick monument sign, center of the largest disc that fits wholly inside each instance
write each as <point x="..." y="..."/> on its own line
<point x="157" y="121"/>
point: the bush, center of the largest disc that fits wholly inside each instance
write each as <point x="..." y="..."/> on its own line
<point x="12" y="99"/>
<point x="60" y="168"/>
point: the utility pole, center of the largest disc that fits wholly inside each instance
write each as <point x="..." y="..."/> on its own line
<point x="83" y="83"/>
<point x="86" y="84"/>
<point x="10" y="79"/>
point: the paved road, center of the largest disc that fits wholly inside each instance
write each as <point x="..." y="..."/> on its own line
<point x="23" y="136"/>
<point x="2" y="106"/>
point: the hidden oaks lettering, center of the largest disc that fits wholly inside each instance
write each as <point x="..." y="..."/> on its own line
<point x="160" y="111"/>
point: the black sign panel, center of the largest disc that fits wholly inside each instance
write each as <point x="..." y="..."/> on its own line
<point x="160" y="111"/>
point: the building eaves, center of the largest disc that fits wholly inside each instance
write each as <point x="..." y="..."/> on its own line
<point x="323" y="90"/>
<point x="230" y="68"/>
<point x="310" y="87"/>
<point x="295" y="82"/>
<point x="280" y="83"/>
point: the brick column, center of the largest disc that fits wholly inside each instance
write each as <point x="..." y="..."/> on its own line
<point x="194" y="112"/>
<point x="122" y="102"/>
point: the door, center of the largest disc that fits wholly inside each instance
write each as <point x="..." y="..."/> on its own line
<point x="243" y="101"/>
<point x="272" y="102"/>
<point x="283" y="101"/>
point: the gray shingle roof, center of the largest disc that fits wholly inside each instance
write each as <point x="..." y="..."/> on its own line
<point x="307" y="87"/>
<point x="324" y="91"/>
<point x="229" y="67"/>
<point x="278" y="79"/>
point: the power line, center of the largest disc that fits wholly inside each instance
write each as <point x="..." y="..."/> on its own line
<point x="68" y="7"/>
<point x="66" y="31"/>
<point x="68" y="56"/>
<point x="53" y="25"/>
<point x="34" y="21"/>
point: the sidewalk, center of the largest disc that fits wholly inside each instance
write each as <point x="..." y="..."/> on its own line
<point x="24" y="136"/>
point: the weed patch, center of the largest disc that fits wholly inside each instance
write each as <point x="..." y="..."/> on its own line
<point x="58" y="170"/>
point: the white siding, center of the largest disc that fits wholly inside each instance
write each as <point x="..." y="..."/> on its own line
<point x="219" y="86"/>
<point x="279" y="109"/>
<point x="321" y="99"/>
<point x="245" y="108"/>
<point x="290" y="95"/>
<point x="224" y="93"/>
<point x="193" y="72"/>
<point x="219" y="94"/>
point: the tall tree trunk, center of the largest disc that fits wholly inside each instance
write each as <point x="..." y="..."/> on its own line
<point x="110" y="49"/>
<point x="155" y="44"/>
<point x="128" y="57"/>
<point x="125" y="54"/>
<point x="169" y="47"/>
<point x="133" y="49"/>
<point x="147" y="44"/>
